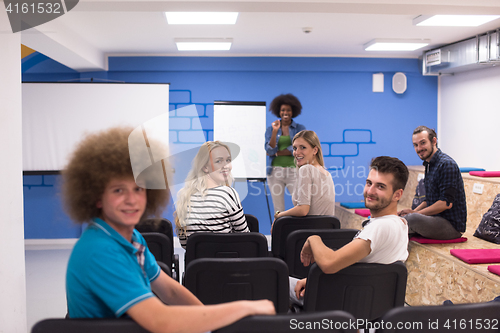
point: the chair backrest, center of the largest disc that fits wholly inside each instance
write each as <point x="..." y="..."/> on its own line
<point x="165" y="268"/>
<point x="252" y="223"/>
<point x="283" y="226"/>
<point x="160" y="246"/>
<point x="216" y="281"/>
<point x="61" y="325"/>
<point x="479" y="317"/>
<point x="367" y="291"/>
<point x="334" y="239"/>
<point x="161" y="225"/>
<point x="328" y="321"/>
<point x="234" y="245"/>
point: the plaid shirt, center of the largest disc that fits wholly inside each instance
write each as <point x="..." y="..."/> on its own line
<point x="443" y="181"/>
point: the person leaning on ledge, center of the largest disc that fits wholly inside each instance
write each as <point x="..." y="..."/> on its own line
<point x="443" y="214"/>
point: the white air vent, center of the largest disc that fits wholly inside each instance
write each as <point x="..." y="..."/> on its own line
<point x="470" y="54"/>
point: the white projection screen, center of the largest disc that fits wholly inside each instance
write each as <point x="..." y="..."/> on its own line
<point x="56" y="116"/>
<point x="243" y="123"/>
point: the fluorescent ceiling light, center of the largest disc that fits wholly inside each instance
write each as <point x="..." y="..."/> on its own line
<point x="453" y="20"/>
<point x="396" y="44"/>
<point x="203" y="44"/>
<point x="201" y="17"/>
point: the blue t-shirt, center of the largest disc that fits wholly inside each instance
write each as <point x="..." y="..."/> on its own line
<point x="104" y="277"/>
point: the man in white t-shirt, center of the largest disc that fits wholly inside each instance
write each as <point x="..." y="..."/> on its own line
<point x="384" y="238"/>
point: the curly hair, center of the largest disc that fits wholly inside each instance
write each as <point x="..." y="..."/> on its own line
<point x="99" y="158"/>
<point x="287" y="99"/>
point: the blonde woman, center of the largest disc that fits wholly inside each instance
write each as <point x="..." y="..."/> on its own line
<point x="314" y="192"/>
<point x="207" y="203"/>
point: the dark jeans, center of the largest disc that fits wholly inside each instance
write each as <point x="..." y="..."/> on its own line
<point x="434" y="227"/>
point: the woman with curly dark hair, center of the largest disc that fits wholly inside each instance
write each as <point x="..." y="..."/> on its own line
<point x="111" y="272"/>
<point x="281" y="171"/>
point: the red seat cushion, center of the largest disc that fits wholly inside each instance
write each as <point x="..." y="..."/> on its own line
<point x="362" y="212"/>
<point x="423" y="240"/>
<point x="485" y="173"/>
<point x="494" y="269"/>
<point x="477" y="256"/>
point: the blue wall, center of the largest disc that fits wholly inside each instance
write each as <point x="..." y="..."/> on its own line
<point x="353" y="123"/>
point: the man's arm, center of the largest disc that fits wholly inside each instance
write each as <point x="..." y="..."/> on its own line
<point x="434" y="209"/>
<point x="406" y="211"/>
<point x="330" y="261"/>
<point x="157" y="317"/>
<point x="171" y="292"/>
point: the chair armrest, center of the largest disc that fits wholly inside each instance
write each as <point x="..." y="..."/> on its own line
<point x="175" y="267"/>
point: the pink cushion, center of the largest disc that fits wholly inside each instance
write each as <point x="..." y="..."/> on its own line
<point x="362" y="212"/>
<point x="494" y="269"/>
<point x="485" y="173"/>
<point x="477" y="256"/>
<point x="423" y="240"/>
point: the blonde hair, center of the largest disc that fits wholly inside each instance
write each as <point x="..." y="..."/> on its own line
<point x="311" y="138"/>
<point x="196" y="182"/>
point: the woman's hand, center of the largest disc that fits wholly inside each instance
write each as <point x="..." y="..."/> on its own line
<point x="276" y="125"/>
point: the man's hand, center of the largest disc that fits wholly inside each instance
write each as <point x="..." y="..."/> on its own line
<point x="406" y="211"/>
<point x="262" y="307"/>
<point x="306" y="255"/>
<point x="300" y="288"/>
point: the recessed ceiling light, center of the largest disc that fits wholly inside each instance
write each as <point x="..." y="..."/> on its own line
<point x="203" y="44"/>
<point x="453" y="20"/>
<point x="201" y="17"/>
<point x="396" y="44"/>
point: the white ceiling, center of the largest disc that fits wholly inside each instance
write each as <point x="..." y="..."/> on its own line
<point x="83" y="38"/>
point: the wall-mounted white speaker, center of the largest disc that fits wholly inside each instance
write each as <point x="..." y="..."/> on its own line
<point x="399" y="83"/>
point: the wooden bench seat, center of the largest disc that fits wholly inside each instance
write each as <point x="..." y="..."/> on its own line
<point x="434" y="275"/>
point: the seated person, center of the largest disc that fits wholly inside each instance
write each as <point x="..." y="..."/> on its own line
<point x="207" y="203"/>
<point x="384" y="238"/>
<point x="443" y="213"/>
<point x="111" y="272"/>
<point x="314" y="192"/>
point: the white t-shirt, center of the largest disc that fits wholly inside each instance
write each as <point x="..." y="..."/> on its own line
<point x="388" y="237"/>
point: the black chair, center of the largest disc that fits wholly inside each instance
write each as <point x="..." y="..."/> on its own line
<point x="367" y="291"/>
<point x="234" y="245"/>
<point x="252" y="223"/>
<point x="479" y="317"/>
<point x="216" y="281"/>
<point x="329" y="321"/>
<point x="161" y="225"/>
<point x="283" y="226"/>
<point x="163" y="251"/>
<point x="61" y="325"/>
<point x="161" y="247"/>
<point x="334" y="239"/>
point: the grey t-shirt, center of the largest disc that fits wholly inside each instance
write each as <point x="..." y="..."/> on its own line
<point x="315" y="189"/>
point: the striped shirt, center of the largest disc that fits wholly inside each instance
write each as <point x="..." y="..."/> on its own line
<point x="219" y="210"/>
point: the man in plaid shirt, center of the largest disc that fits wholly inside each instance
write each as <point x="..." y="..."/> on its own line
<point x="443" y="214"/>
